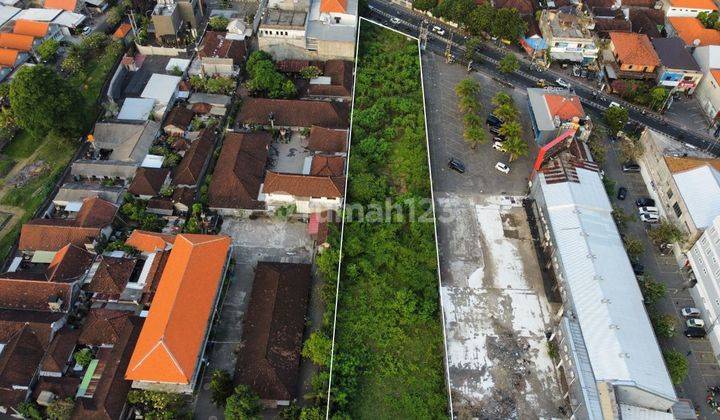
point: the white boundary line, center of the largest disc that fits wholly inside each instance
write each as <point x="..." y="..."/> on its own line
<point x="342" y="225"/>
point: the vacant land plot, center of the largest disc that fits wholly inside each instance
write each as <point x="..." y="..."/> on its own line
<point x="389" y="342"/>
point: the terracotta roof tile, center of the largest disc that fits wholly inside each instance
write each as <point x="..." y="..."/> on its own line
<point x="694" y="4"/>
<point x="68" y="5"/>
<point x="112" y="276"/>
<point x="96" y="212"/>
<point x="175" y="329"/>
<point x="148" y="181"/>
<point x="63" y="387"/>
<point x="273" y="329"/>
<point x="16" y="41"/>
<point x="69" y="264"/>
<point x="291" y="66"/>
<point x="239" y="171"/>
<point x="304" y="185"/>
<point x="341" y="79"/>
<point x="122" y="31"/>
<point x="333" y="6"/>
<point x="103" y="327"/>
<point x="21" y="356"/>
<point x="632" y="48"/>
<point x="215" y="44"/>
<point x="184" y="195"/>
<point x="145" y="241"/>
<point x="190" y="169"/>
<point x="60" y="350"/>
<point x="294" y="113"/>
<point x="327" y="140"/>
<point x="647" y="21"/>
<point x="179" y="117"/>
<point x="324" y="165"/>
<point x="33" y="295"/>
<point x="31" y="27"/>
<point x="8" y="57"/>
<point x="564" y="106"/>
<point x="40" y="235"/>
<point x="690" y="29"/>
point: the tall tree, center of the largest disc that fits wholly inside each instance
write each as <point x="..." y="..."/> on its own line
<point x="481" y="19"/>
<point x="471" y="47"/>
<point x="616" y="117"/>
<point x="42" y="101"/>
<point x="509" y="63"/>
<point x="506" y="112"/>
<point x="502" y="98"/>
<point x="467" y="87"/>
<point x="424" y="5"/>
<point x="508" y="24"/>
<point x="242" y="405"/>
<point x="515" y="145"/>
<point x="221" y="387"/>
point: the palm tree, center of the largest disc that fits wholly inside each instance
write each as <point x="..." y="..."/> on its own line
<point x="474" y="135"/>
<point x="467" y="87"/>
<point x="469" y="104"/>
<point x="516" y="147"/>
<point x="506" y="112"/>
<point x="511" y="129"/>
<point x="502" y="98"/>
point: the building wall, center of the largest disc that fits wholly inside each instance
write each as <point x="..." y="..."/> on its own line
<point x="671" y="11"/>
<point x="708" y="93"/>
<point x="663" y="184"/>
<point x="331" y="50"/>
<point x="704" y="258"/>
<point x="681" y="80"/>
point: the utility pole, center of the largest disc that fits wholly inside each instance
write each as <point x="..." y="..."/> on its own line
<point x="423" y="35"/>
<point x="448" y="49"/>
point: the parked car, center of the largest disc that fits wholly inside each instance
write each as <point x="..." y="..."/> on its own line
<point x="456" y="165"/>
<point x="648" y="209"/>
<point x="562" y="83"/>
<point x="87" y="30"/>
<point x="494" y="130"/>
<point x="438" y="30"/>
<point x="622" y="193"/>
<point x="613" y="103"/>
<point x="494" y="121"/>
<point x="650" y="217"/>
<point x="695" y="323"/>
<point x="394" y="21"/>
<point x="499" y="139"/>
<point x="689" y="312"/>
<point x="631" y="167"/>
<point x="502" y="167"/>
<point x="638" y="268"/>
<point x="498" y="146"/>
<point x="645" y="202"/>
<point x="695" y="333"/>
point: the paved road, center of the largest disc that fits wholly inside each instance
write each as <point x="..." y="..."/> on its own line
<point x="527" y="76"/>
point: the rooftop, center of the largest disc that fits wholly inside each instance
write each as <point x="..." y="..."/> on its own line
<point x="294" y="113"/>
<point x="327" y="140"/>
<point x="690" y="30"/>
<point x="674" y="55"/>
<point x="632" y="48"/>
<point x="698" y="181"/>
<point x="128" y="141"/>
<point x="31" y="28"/>
<point x="694" y="4"/>
<point x="304" y="185"/>
<point x="284" y="19"/>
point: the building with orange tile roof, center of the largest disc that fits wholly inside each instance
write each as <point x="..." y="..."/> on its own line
<point x="122" y="31"/>
<point x="333" y="6"/>
<point x="67" y="5"/>
<point x="148" y="242"/>
<point x="691" y="31"/>
<point x="551" y="109"/>
<point x="8" y="57"/>
<point x="31" y="28"/>
<point x="688" y="8"/>
<point x="16" y="41"/>
<point x="171" y="345"/>
<point x="634" y="54"/>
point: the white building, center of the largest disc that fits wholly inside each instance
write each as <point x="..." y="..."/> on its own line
<point x="687" y="8"/>
<point x="708" y="90"/>
<point x="609" y="357"/>
<point x="704" y="259"/>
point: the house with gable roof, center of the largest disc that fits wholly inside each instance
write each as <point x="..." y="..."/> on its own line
<point x="552" y="109"/>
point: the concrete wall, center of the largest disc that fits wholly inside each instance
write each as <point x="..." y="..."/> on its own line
<point x="153" y="50"/>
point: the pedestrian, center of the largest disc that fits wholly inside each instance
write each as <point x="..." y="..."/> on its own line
<point x="689" y="352"/>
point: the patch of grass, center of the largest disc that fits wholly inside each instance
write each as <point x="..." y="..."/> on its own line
<point x="22" y="146"/>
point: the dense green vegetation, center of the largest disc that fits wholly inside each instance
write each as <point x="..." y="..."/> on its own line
<point x="389" y="349"/>
<point x="469" y="105"/>
<point x="265" y="80"/>
<point x="504" y="23"/>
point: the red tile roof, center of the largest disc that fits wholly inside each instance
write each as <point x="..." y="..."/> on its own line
<point x="635" y="49"/>
<point x="215" y="44"/>
<point x="68" y="5"/>
<point x="294" y="113"/>
<point x="148" y="181"/>
<point x="8" y="57"/>
<point x="96" y="212"/>
<point x="689" y="29"/>
<point x="46" y="235"/>
<point x="122" y="31"/>
<point x="21" y="356"/>
<point x="60" y="350"/>
<point x="304" y="185"/>
<point x="174" y="333"/>
<point x="33" y="295"/>
<point x="694" y="4"/>
<point x="191" y="167"/>
<point x="103" y="327"/>
<point x="112" y="276"/>
<point x="239" y="171"/>
<point x="327" y="140"/>
<point x="341" y="79"/>
<point x="16" y="41"/>
<point x="31" y="28"/>
<point x="324" y="165"/>
<point x="145" y="241"/>
<point x="69" y="264"/>
<point x="566" y="107"/>
<point x="333" y="6"/>
<point x="179" y="117"/>
<point x="269" y="362"/>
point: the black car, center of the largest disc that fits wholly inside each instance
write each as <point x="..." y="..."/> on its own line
<point x="622" y="193"/>
<point x="493" y="121"/>
<point x="638" y="268"/>
<point x="456" y="165"/>
<point x="631" y="167"/>
<point x="645" y="202"/>
<point x="494" y="130"/>
<point x="695" y="332"/>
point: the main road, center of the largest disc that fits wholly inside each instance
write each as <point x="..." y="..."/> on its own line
<point x="527" y="75"/>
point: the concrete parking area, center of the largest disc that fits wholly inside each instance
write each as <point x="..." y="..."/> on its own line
<point x="496" y="310"/>
<point x="261" y="239"/>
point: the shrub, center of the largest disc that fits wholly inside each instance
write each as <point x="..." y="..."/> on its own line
<point x="218" y="23"/>
<point x="83" y="357"/>
<point x="677" y="366"/>
<point x="221" y="387"/>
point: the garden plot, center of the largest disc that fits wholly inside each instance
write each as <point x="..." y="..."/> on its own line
<point x="496" y="312"/>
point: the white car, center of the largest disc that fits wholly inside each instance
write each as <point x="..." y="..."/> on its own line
<point x="695" y="323"/>
<point x="498" y="146"/>
<point x="394" y="21"/>
<point x="690" y="312"/>
<point x="502" y="167"/>
<point x="649" y="217"/>
<point x="612" y="104"/>
<point x="562" y="83"/>
<point x="438" y="30"/>
<point x="648" y="209"/>
<point x="87" y="30"/>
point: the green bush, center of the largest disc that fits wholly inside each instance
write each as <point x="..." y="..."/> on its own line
<point x="677" y="366"/>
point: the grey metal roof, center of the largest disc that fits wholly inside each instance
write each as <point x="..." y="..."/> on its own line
<point x="103" y="168"/>
<point x="77" y="192"/>
<point x="674" y="55"/>
<point x="128" y="142"/>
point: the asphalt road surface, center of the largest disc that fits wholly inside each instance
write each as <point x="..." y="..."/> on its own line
<point x="527" y="75"/>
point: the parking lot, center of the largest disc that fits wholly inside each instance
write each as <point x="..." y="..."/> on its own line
<point x="496" y="310"/>
<point x="703" y="367"/>
<point x="262" y="239"/>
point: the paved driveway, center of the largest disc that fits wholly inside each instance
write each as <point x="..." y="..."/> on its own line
<point x="253" y="240"/>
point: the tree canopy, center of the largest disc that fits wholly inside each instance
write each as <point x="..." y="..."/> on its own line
<point x="677" y="366"/>
<point x="265" y="79"/>
<point x="42" y="101"/>
<point x="243" y="404"/>
<point x="616" y="117"/>
<point x="509" y="63"/>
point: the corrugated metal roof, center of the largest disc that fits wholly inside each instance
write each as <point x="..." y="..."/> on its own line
<point x="602" y="286"/>
<point x="700" y="190"/>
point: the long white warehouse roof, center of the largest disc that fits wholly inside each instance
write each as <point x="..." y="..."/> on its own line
<point x="602" y="286"/>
